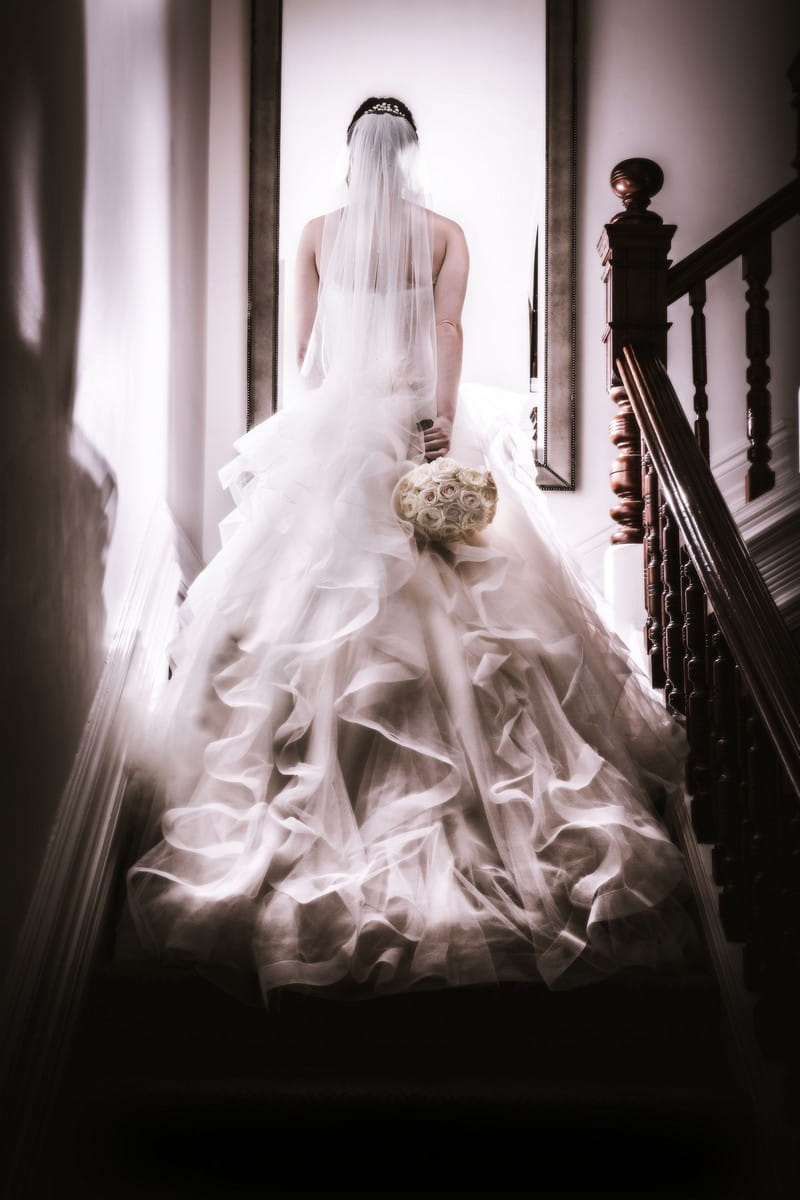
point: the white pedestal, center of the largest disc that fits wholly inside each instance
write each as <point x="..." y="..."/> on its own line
<point x="623" y="580"/>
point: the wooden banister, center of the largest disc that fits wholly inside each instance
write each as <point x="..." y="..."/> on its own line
<point x="758" y="224"/>
<point x="716" y="642"/>
<point x="746" y="613"/>
<point x="640" y="287"/>
<point x="733" y="242"/>
<point x="747" y="239"/>
<point x="727" y="663"/>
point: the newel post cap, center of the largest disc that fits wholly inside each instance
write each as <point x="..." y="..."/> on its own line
<point x="635" y="181"/>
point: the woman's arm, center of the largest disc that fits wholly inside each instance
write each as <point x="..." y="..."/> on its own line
<point x="306" y="284"/>
<point x="448" y="300"/>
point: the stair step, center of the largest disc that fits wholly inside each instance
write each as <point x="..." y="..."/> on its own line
<point x="488" y="1135"/>
<point x="156" y="1018"/>
<point x="621" y="1088"/>
<point x="313" y="1095"/>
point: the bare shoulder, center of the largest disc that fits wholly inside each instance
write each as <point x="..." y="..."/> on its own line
<point x="449" y="244"/>
<point x="446" y="229"/>
<point x="311" y="235"/>
<point x="309" y="248"/>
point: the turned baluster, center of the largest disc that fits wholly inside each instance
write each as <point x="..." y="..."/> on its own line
<point x="698" y="768"/>
<point x="761" y="832"/>
<point x="634" y="249"/>
<point x="673" y="616"/>
<point x="697" y="300"/>
<point x="760" y="837"/>
<point x="625" y="476"/>
<point x="722" y="767"/>
<point x="756" y="268"/>
<point x="756" y="846"/>
<point x="653" y="588"/>
<point x="712" y="630"/>
<point x="726" y="858"/>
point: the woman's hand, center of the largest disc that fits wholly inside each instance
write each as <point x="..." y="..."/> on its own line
<point x="436" y="439"/>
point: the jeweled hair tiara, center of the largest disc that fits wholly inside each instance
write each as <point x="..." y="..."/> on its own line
<point x="384" y="106"/>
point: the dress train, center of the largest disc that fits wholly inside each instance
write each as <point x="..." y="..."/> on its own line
<point x="384" y="763"/>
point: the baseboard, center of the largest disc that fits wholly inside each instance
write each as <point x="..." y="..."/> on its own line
<point x="47" y="973"/>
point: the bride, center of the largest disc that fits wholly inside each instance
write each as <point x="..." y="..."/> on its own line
<point x="384" y="760"/>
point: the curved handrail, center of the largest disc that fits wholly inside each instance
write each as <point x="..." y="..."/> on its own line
<point x="746" y="612"/>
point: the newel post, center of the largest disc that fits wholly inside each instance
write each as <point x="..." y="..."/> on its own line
<point x="634" y="248"/>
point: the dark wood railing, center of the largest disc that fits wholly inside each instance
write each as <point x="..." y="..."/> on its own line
<point x="690" y="527"/>
<point x="749" y="239"/>
<point x="716" y="642"/>
<point x="641" y="285"/>
<point x="729" y="665"/>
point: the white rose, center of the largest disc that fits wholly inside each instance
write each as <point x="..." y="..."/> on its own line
<point x="444" y="468"/>
<point x="490" y="500"/>
<point x="469" y="499"/>
<point x="448" y="489"/>
<point x="430" y="520"/>
<point x="469" y="477"/>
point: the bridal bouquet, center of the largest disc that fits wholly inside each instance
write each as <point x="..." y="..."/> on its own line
<point x="445" y="501"/>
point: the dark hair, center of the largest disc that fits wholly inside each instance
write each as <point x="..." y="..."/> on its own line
<point x="372" y="102"/>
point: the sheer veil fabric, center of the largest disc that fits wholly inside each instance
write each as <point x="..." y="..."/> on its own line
<point x="381" y="763"/>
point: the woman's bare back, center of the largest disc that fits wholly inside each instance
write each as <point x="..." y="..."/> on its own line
<point x="448" y="252"/>
<point x="449" y="272"/>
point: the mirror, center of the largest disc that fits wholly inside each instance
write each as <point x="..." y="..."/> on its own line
<point x="491" y="84"/>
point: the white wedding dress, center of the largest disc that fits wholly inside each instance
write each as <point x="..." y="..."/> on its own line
<point x="384" y="763"/>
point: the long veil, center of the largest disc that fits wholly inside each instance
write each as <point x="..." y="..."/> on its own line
<point x="374" y="328"/>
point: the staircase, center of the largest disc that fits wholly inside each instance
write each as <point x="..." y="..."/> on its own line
<point x="716" y="640"/>
<point x="629" y="1087"/>
<point x="622" y="1088"/>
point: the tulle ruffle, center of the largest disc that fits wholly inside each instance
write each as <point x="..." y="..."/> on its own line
<point x="384" y="763"/>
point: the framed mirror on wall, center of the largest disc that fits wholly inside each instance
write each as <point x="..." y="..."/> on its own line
<point x="491" y="84"/>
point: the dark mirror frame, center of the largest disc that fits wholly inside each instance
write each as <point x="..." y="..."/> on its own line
<point x="556" y="460"/>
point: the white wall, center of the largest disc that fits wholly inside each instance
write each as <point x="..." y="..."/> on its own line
<point x="122" y="396"/>
<point x="699" y="86"/>
<point x="103" y="131"/>
<point x="471" y="72"/>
